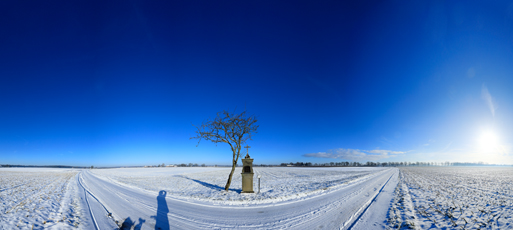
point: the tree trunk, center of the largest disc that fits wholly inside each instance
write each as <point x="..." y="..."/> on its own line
<point x="230" y="178"/>
<point x="236" y="154"/>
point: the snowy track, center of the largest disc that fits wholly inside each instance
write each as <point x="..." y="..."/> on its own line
<point x="94" y="207"/>
<point x="366" y="207"/>
<point x="342" y="208"/>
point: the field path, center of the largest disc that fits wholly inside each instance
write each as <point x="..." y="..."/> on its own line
<point x="343" y="208"/>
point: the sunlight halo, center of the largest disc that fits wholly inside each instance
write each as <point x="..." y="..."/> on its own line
<point x="488" y="142"/>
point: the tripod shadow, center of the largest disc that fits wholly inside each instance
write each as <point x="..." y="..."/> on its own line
<point x="128" y="224"/>
<point x="162" y="222"/>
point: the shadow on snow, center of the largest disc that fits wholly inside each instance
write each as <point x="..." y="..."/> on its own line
<point x="208" y="185"/>
<point x="161" y="219"/>
<point x="128" y="224"/>
<point x="162" y="211"/>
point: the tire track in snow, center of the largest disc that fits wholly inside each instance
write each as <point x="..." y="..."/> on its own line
<point x="92" y="195"/>
<point x="88" y="205"/>
<point x="129" y="203"/>
<point x="95" y="219"/>
<point x="367" y="205"/>
<point x="298" y="214"/>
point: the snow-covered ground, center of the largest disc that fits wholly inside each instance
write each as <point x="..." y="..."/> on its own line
<point x="342" y="200"/>
<point x="290" y="198"/>
<point x="207" y="184"/>
<point x="193" y="198"/>
<point x="35" y="198"/>
<point x="453" y="198"/>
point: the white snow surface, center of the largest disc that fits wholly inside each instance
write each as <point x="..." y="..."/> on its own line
<point x="290" y="198"/>
<point x="453" y="198"/>
<point x="277" y="184"/>
<point x="338" y="201"/>
<point x="37" y="198"/>
<point x="193" y="198"/>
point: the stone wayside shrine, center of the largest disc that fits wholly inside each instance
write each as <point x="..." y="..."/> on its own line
<point x="247" y="173"/>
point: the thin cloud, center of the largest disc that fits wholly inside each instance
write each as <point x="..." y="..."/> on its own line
<point x="355" y="154"/>
<point x="384" y="152"/>
<point x="430" y="141"/>
<point x="447" y="147"/>
<point x="384" y="140"/>
<point x="488" y="99"/>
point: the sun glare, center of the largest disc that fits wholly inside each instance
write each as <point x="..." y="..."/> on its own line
<point x="488" y="141"/>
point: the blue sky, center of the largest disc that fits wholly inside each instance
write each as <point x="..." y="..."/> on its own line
<point x="120" y="83"/>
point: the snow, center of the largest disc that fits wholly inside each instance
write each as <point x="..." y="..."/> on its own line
<point x="207" y="184"/>
<point x="376" y="215"/>
<point x="340" y="205"/>
<point x="193" y="198"/>
<point x="453" y="198"/>
<point x="34" y="198"/>
<point x="290" y="198"/>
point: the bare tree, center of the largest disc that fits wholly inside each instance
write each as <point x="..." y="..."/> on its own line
<point x="230" y="128"/>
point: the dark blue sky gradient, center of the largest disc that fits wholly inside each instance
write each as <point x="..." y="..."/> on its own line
<point x="120" y="82"/>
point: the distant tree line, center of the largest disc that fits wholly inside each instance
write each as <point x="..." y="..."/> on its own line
<point x="384" y="164"/>
<point x="190" y="165"/>
<point x="37" y="166"/>
<point x="330" y="164"/>
<point x="297" y="164"/>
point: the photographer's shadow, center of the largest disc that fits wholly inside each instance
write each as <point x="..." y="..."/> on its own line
<point x="162" y="222"/>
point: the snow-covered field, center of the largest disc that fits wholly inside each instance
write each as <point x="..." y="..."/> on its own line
<point x="453" y="198"/>
<point x="193" y="198"/>
<point x="207" y="184"/>
<point x="38" y="198"/>
<point x="292" y="198"/>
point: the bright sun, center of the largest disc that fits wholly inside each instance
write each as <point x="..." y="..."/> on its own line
<point x="488" y="141"/>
